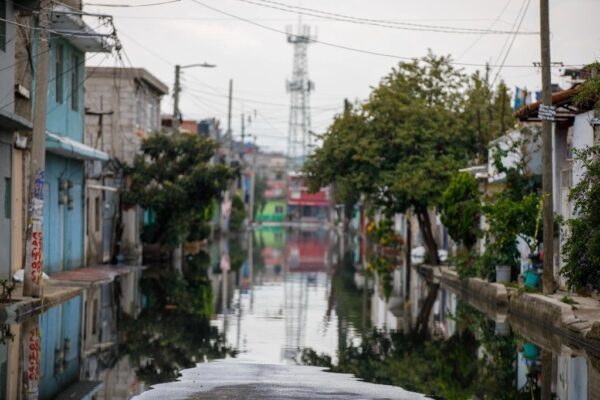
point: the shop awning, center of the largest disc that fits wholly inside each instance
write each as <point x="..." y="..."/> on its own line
<point x="66" y="147"/>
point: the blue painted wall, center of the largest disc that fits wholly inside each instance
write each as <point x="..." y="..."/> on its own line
<point x="62" y="118"/>
<point x="57" y="325"/>
<point x="63" y="235"/>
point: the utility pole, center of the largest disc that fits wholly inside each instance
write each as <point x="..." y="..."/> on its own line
<point x="547" y="189"/>
<point x="229" y="193"/>
<point x="229" y="132"/>
<point x="252" y="186"/>
<point x="34" y="237"/>
<point x="243" y="129"/>
<point x="177" y="254"/>
<point x="176" y="90"/>
<point x="34" y="245"/>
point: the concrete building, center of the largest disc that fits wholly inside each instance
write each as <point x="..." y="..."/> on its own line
<point x="123" y="108"/>
<point x="10" y="154"/>
<point x="574" y="128"/>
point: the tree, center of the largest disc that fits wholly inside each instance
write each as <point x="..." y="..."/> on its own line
<point x="582" y="248"/>
<point x="174" y="180"/>
<point x="487" y="113"/>
<point x="461" y="208"/>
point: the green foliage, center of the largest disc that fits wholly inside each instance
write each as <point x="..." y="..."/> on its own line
<point x="520" y="180"/>
<point x="589" y="92"/>
<point x="238" y="214"/>
<point x="384" y="268"/>
<point x="449" y="368"/>
<point x="509" y="219"/>
<point x="460" y="207"/>
<point x="7" y="287"/>
<point x="582" y="248"/>
<point x="569" y="300"/>
<point x="401" y="147"/>
<point x="173" y="177"/>
<point x="487" y="113"/>
<point x="260" y="186"/>
<point x="465" y="261"/>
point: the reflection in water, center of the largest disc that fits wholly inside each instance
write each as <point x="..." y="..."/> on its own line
<point x="173" y="331"/>
<point x="284" y="296"/>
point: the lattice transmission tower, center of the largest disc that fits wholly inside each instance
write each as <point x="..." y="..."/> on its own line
<point x="299" y="136"/>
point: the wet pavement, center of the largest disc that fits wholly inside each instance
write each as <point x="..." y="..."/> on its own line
<point x="239" y="380"/>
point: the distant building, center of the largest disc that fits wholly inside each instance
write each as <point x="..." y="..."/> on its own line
<point x="306" y="206"/>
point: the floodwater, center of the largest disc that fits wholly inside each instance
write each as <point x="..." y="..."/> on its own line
<point x="268" y="315"/>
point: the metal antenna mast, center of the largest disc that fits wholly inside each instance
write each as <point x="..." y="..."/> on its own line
<point x="299" y="88"/>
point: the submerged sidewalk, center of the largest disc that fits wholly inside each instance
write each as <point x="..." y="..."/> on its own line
<point x="21" y="307"/>
<point x="575" y="318"/>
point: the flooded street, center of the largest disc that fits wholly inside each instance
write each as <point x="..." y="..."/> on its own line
<point x="250" y="315"/>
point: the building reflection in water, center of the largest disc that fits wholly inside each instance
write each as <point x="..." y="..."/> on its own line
<point x="284" y="296"/>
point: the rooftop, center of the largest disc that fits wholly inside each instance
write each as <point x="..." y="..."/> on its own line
<point x="140" y="74"/>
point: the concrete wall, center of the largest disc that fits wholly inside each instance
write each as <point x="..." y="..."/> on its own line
<point x="5" y="204"/>
<point x="7" y="60"/>
<point x="135" y="107"/>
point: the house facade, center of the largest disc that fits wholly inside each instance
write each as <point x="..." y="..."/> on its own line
<point x="574" y="128"/>
<point x="11" y="122"/>
<point x="123" y="107"/>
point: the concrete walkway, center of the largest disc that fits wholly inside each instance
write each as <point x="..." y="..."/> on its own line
<point x="235" y="380"/>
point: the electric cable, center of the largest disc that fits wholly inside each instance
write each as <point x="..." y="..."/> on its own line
<point x="376" y="22"/>
<point x="353" y="49"/>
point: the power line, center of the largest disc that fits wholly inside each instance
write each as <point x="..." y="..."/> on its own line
<point x="243" y="99"/>
<point x="511" y="43"/>
<point x="132" y="5"/>
<point x="57" y="76"/>
<point x="155" y="54"/>
<point x="489" y="27"/>
<point x="376" y="22"/>
<point x="353" y="49"/>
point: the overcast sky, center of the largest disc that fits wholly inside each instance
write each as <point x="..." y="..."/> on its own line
<point x="259" y="60"/>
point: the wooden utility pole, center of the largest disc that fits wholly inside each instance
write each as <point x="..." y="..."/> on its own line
<point x="34" y="238"/>
<point x="547" y="189"/>
<point x="176" y="90"/>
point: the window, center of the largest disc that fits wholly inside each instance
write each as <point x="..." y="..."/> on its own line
<point x="94" y="316"/>
<point x="75" y="82"/>
<point x="59" y="72"/>
<point x="97" y="212"/>
<point x="139" y="111"/>
<point x="7" y="198"/>
<point x="3" y="25"/>
<point x="151" y="116"/>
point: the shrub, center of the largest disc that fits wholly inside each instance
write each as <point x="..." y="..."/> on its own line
<point x="461" y="208"/>
<point x="582" y="248"/>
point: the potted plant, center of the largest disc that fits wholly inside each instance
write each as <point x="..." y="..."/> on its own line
<point x="504" y="217"/>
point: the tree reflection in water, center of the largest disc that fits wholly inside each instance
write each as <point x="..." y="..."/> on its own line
<point x="474" y="362"/>
<point x="173" y="331"/>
